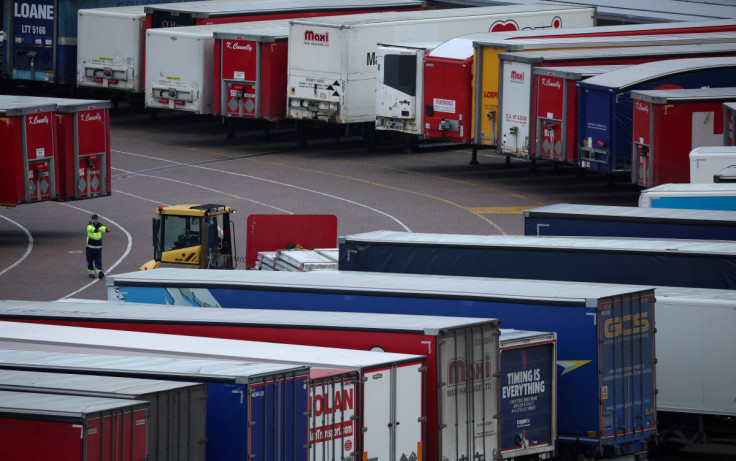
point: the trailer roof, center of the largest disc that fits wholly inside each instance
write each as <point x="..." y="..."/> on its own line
<point x="627" y="213"/>
<point x="583" y="54"/>
<point x="21" y="105"/>
<point x="388" y="17"/>
<point x="576" y="72"/>
<point x="426" y="45"/>
<point x="134" y="11"/>
<point x="26" y="104"/>
<point x="730" y="105"/>
<point x="90" y="385"/>
<point x="219" y="8"/>
<point x="694" y="189"/>
<point x="380" y="284"/>
<point x="54" y="405"/>
<point x="265" y="34"/>
<point x="199" y="347"/>
<point x="513" y="44"/>
<point x="633" y="75"/>
<point x="156" y="313"/>
<point x="531" y="243"/>
<point x="686" y="95"/>
<point x="200" y="370"/>
<point x="208" y="30"/>
<point x="713" y="150"/>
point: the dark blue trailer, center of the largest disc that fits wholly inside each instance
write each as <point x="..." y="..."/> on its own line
<point x="242" y="398"/>
<point x="605" y="106"/>
<point x="660" y="262"/>
<point x="566" y="219"/>
<point x="605" y="373"/>
<point x="40" y="37"/>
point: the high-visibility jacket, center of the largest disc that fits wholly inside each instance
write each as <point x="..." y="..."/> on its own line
<point x="94" y="235"/>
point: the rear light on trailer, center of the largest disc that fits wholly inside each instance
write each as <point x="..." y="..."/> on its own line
<point x="163" y="101"/>
<point x="179" y="103"/>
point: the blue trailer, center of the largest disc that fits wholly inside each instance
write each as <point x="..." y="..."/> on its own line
<point x="660" y="262"/>
<point x="606" y="396"/>
<point x="605" y="107"/>
<point x="620" y="221"/>
<point x="716" y="196"/>
<point x="242" y="398"/>
<point x="40" y="37"/>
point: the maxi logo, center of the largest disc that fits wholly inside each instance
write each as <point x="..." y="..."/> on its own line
<point x="457" y="371"/>
<point x="626" y="325"/>
<point x="311" y="36"/>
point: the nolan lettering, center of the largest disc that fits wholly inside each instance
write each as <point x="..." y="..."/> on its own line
<point x="31" y="11"/>
<point x="551" y="83"/>
<point x="311" y="36"/>
<point x="327" y="404"/>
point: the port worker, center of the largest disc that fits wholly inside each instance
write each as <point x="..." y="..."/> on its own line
<point x="94" y="247"/>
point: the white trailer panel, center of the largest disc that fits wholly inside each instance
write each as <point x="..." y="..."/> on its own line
<point x="104" y="60"/>
<point x="706" y="162"/>
<point x="333" y="63"/>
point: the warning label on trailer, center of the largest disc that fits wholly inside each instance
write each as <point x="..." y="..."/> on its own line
<point x="444" y="105"/>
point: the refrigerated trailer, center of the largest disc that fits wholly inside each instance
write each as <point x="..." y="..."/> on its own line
<point x="176" y="412"/>
<point x="567" y="219"/>
<point x="662" y="262"/>
<point x="587" y="383"/>
<point x="39" y="427"/>
<point x="668" y="125"/>
<point x="332" y="61"/>
<point x="718" y="196"/>
<point x="707" y="161"/>
<point x="606" y="106"/>
<point x="381" y="395"/>
<point x="443" y="340"/>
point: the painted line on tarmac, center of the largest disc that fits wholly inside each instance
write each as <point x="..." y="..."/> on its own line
<point x="28" y="249"/>
<point x="335" y="197"/>
<point x="125" y="254"/>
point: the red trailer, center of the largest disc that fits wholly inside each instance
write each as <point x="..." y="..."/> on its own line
<point x="30" y="172"/>
<point x="83" y="140"/>
<point x="729" y="124"/>
<point x="667" y="125"/>
<point x="41" y="427"/>
<point x="251" y="69"/>
<point x="556" y="99"/>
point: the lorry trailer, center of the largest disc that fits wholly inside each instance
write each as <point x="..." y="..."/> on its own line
<point x="707" y="161"/>
<point x="668" y="125"/>
<point x="176" y="412"/>
<point x="250" y="406"/>
<point x="729" y="124"/>
<point x="563" y="308"/>
<point x="383" y="390"/>
<point x="447" y="342"/>
<point x="718" y="196"/>
<point x="567" y="219"/>
<point x="40" y="427"/>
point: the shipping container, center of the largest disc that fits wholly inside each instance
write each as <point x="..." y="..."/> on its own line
<point x="40" y="427"/>
<point x="176" y="412"/>
<point x="29" y="147"/>
<point x="620" y="221"/>
<point x="250" y="73"/>
<point x="690" y="196"/>
<point x="547" y="101"/>
<point x="707" y="161"/>
<point x="327" y="83"/>
<point x="729" y="124"/>
<point x="667" y="125"/>
<point x="585" y="403"/>
<point x="445" y="341"/>
<point x="606" y="106"/>
<point x="251" y="407"/>
<point x="662" y="262"/>
<point x="41" y="37"/>
<point x="376" y="389"/>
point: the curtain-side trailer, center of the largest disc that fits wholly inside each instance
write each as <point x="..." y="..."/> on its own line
<point x="667" y="125"/>
<point x="577" y="315"/>
<point x="176" y="412"/>
<point x="717" y="196"/>
<point x="39" y="427"/>
<point x="382" y="417"/>
<point x="568" y="219"/>
<point x="449" y="343"/>
<point x="250" y="408"/>
<point x="664" y="262"/>
<point x="332" y="61"/>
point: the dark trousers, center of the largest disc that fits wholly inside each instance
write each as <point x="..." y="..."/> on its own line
<point x="94" y="258"/>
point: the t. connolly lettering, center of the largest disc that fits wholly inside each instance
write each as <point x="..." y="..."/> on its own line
<point x="237" y="46"/>
<point x="644" y="107"/>
<point x="38" y="120"/>
<point x="548" y="82"/>
<point x="91" y="118"/>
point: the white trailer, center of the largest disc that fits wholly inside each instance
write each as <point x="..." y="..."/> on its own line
<point x="180" y="65"/>
<point x="707" y="161"/>
<point x="698" y="196"/>
<point x="110" y="44"/>
<point x="333" y="61"/>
